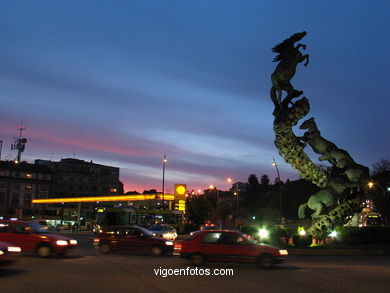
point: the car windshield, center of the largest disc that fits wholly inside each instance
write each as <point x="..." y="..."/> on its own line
<point x="156" y="228"/>
<point x="209" y="228"/>
<point x="36" y="228"/>
<point x="145" y="231"/>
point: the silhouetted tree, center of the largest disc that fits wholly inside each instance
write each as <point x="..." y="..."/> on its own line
<point x="381" y="166"/>
<point x="264" y="180"/>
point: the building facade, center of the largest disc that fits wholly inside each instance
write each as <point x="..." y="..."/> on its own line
<point x="78" y="178"/>
<point x="19" y="184"/>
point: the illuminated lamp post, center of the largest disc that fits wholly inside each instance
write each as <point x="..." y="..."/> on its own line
<point x="165" y="160"/>
<point x="372" y="185"/>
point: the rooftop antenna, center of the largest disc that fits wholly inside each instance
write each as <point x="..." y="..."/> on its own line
<point x="19" y="143"/>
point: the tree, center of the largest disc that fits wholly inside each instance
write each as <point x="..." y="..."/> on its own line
<point x="264" y="180"/>
<point x="253" y="182"/>
<point x="382" y="166"/>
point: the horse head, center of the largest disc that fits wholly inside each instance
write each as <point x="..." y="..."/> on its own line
<point x="298" y="36"/>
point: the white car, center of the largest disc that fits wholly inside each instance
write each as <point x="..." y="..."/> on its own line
<point x="163" y="230"/>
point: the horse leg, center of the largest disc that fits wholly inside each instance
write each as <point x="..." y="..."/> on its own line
<point x="318" y="207"/>
<point x="274" y="97"/>
<point x="307" y="59"/>
<point x="303" y="46"/>
<point x="301" y="210"/>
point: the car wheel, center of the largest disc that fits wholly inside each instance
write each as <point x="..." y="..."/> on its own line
<point x="197" y="259"/>
<point x="266" y="261"/>
<point x="157" y="251"/>
<point x="105" y="248"/>
<point x="44" y="251"/>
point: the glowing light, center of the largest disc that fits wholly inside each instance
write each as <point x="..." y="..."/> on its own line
<point x="333" y="234"/>
<point x="61" y="242"/>
<point x="371" y="184"/>
<point x="302" y="232"/>
<point x="73" y="242"/>
<point x="14" y="249"/>
<point x="104" y="198"/>
<point x="263" y="233"/>
<point x="168" y="242"/>
<point x="283" y="252"/>
<point x="181" y="189"/>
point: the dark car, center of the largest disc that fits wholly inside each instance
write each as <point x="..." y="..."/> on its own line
<point x="31" y="237"/>
<point x="227" y="246"/>
<point x="132" y="239"/>
<point x="8" y="253"/>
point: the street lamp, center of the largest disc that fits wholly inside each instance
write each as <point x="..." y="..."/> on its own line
<point x="230" y="180"/>
<point x="372" y="184"/>
<point x="165" y="160"/>
<point x="280" y="186"/>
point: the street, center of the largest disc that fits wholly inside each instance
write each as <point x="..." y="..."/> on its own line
<point x="86" y="270"/>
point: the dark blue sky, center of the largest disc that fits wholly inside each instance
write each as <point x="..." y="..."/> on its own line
<point x="125" y="82"/>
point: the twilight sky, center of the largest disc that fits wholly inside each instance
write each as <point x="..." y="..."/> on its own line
<point x="124" y="82"/>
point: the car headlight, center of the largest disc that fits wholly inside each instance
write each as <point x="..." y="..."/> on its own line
<point x="14" y="249"/>
<point x="73" y="242"/>
<point x="168" y="242"/>
<point x="1" y="252"/>
<point x="283" y="252"/>
<point x="61" y="242"/>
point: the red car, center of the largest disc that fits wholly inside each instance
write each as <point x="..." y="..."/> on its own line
<point x="8" y="253"/>
<point x="132" y="239"/>
<point x="227" y="246"/>
<point x="31" y="237"/>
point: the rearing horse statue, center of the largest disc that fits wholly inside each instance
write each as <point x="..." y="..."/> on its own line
<point x="288" y="58"/>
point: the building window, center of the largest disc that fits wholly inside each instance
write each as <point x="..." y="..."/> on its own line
<point x="16" y="186"/>
<point x="28" y="187"/>
<point x="28" y="175"/>
<point x="15" y="198"/>
<point x="113" y="190"/>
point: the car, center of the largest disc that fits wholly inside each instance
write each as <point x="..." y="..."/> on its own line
<point x="132" y="239"/>
<point x="32" y="238"/>
<point x="227" y="246"/>
<point x="205" y="228"/>
<point x="164" y="230"/>
<point x="8" y="253"/>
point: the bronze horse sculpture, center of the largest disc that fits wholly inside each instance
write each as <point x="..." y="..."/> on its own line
<point x="288" y="58"/>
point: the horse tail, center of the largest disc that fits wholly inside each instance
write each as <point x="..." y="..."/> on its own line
<point x="274" y="97"/>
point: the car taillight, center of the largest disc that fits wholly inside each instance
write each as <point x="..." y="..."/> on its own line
<point x="96" y="240"/>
